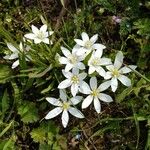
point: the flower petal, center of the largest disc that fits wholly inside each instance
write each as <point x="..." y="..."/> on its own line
<point x="63" y="95"/>
<point x="75" y="71"/>
<point x="46" y="40"/>
<point x="104" y="86"/>
<point x="43" y="28"/>
<point x="110" y="67"/>
<point x="64" y="84"/>
<point x="15" y="64"/>
<point x="91" y="70"/>
<point x="54" y="101"/>
<point x="124" y="80"/>
<point x="85" y="36"/>
<point x="118" y="60"/>
<point x="67" y="74"/>
<point x="114" y="84"/>
<point x="108" y="75"/>
<point x="30" y="36"/>
<point x="79" y="42"/>
<point x="37" y="40"/>
<point x="35" y="30"/>
<point x="94" y="38"/>
<point x="75" y="100"/>
<point x="68" y="67"/>
<point x="65" y="118"/>
<point x="65" y="51"/>
<point x="81" y="66"/>
<point x="98" y="53"/>
<point x="74" y="89"/>
<point x="101" y="71"/>
<point x="125" y="69"/>
<point x="53" y="113"/>
<point x="11" y="47"/>
<point x="99" y="46"/>
<point x="97" y="105"/>
<point x="87" y="101"/>
<point x="105" y="97"/>
<point x="75" y="112"/>
<point x="93" y="83"/>
<point x="63" y="60"/>
<point x="82" y="75"/>
<point x="12" y="56"/>
<point x="105" y="61"/>
<point x="84" y="88"/>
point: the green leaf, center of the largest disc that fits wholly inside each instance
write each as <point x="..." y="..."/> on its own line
<point x="28" y="112"/>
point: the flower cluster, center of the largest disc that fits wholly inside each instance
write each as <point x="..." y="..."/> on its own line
<point x="75" y="74"/>
<point x="84" y="61"/>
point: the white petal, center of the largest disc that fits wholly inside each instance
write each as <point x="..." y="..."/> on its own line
<point x="76" y="48"/>
<point x="91" y="70"/>
<point x="101" y="71"/>
<point x="82" y="75"/>
<point x="54" y="101"/>
<point x="108" y="75"/>
<point x="11" y="47"/>
<point x="75" y="100"/>
<point x="75" y="71"/>
<point x="51" y="32"/>
<point x="12" y="56"/>
<point x="63" y="95"/>
<point x="93" y="83"/>
<point x="110" y="67"/>
<point x="37" y="40"/>
<point x="81" y="51"/>
<point x="15" y="64"/>
<point x="114" y="84"/>
<point x="79" y="42"/>
<point x="35" y="30"/>
<point x="105" y="61"/>
<point x="65" y="51"/>
<point x="98" y="53"/>
<point x="87" y="101"/>
<point x="99" y="46"/>
<point x="46" y="40"/>
<point x="126" y="69"/>
<point x="63" y="60"/>
<point x="30" y="36"/>
<point x="81" y="66"/>
<point x="53" y="113"/>
<point x="85" y="89"/>
<point x="65" y="118"/>
<point x="74" y="89"/>
<point x="104" y="86"/>
<point x="68" y="67"/>
<point x="67" y="74"/>
<point x="118" y="60"/>
<point x="75" y="112"/>
<point x="97" y="105"/>
<point x="124" y="80"/>
<point x="94" y="38"/>
<point x="105" y="98"/>
<point x="85" y="36"/>
<point x="43" y="28"/>
<point x="64" y="84"/>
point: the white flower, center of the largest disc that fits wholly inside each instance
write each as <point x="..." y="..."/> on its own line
<point x="95" y="63"/>
<point x="88" y="44"/>
<point x="63" y="106"/>
<point x="39" y="35"/>
<point x="116" y="73"/>
<point x="72" y="60"/>
<point x="95" y="94"/>
<point x="15" y="53"/>
<point x="74" y="79"/>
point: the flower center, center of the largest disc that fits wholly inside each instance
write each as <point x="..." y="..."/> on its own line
<point x="115" y="73"/>
<point x="95" y="61"/>
<point x="75" y="79"/>
<point x="95" y="92"/>
<point x="73" y="59"/>
<point x="88" y="44"/>
<point x="66" y="105"/>
<point x="40" y="35"/>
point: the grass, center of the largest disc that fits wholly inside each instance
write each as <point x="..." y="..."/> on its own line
<point x="123" y="124"/>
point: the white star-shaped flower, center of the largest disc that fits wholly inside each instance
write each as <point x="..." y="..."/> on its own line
<point x="116" y="73"/>
<point x="39" y="35"/>
<point x="64" y="106"/>
<point x="88" y="44"/>
<point x="95" y="63"/>
<point x="15" y="53"/>
<point x="74" y="79"/>
<point x="95" y="94"/>
<point x="72" y="60"/>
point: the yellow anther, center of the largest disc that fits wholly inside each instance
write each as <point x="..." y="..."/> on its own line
<point x="66" y="105"/>
<point x="95" y="92"/>
<point x="88" y="44"/>
<point x="75" y="79"/>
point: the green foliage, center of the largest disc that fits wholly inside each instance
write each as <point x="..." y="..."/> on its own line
<point x="28" y="112"/>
